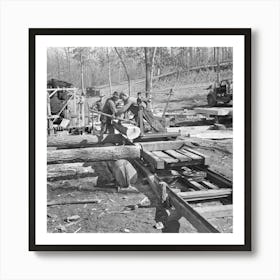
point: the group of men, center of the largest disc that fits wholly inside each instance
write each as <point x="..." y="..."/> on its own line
<point x="112" y="107"/>
<point x="119" y="105"/>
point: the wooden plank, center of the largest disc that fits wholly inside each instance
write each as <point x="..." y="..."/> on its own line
<point x="209" y="185"/>
<point x="92" y="154"/>
<point x="216" y="211"/>
<point x="177" y="155"/>
<point x="159" y="135"/>
<point x="162" y="145"/>
<point x="196" y="185"/>
<point x="206" y="158"/>
<point x="190" y="154"/>
<point x="215" y="111"/>
<point x="165" y="157"/>
<point x="207" y="194"/>
<point x="153" y="160"/>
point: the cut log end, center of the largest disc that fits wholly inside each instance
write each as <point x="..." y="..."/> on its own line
<point x="130" y="131"/>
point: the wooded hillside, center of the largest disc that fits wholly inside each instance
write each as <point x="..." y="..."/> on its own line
<point x="89" y="67"/>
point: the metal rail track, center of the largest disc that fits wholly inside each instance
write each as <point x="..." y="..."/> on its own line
<point x="181" y="191"/>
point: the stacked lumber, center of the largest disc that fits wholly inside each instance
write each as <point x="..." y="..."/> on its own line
<point x="161" y="155"/>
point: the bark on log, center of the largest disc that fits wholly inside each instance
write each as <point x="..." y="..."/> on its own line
<point x="82" y="141"/>
<point x="131" y="131"/>
<point x="93" y="154"/>
<point x="69" y="171"/>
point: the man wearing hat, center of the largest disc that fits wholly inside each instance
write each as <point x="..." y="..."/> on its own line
<point x="110" y="109"/>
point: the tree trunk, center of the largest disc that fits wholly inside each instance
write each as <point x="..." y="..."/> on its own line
<point x="109" y="71"/>
<point x="149" y="61"/>
<point x="129" y="130"/>
<point x="83" y="141"/>
<point x="67" y="54"/>
<point x="125" y="69"/>
<point x="58" y="65"/>
<point x="82" y="78"/>
<point x="218" y="63"/>
<point x="93" y="154"/>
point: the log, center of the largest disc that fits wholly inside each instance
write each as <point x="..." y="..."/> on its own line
<point x="69" y="171"/>
<point x="93" y="154"/>
<point x="82" y="141"/>
<point x="209" y="194"/>
<point x="129" y="130"/>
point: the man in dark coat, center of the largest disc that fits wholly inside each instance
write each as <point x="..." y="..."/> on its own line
<point x="110" y="109"/>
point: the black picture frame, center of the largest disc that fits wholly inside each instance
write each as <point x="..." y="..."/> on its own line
<point x="246" y="32"/>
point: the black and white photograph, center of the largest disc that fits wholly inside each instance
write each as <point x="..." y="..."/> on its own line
<point x="140" y="139"/>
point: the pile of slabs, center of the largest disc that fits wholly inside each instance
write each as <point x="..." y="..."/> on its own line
<point x="162" y="155"/>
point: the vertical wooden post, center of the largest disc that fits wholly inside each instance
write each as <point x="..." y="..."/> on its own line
<point x="50" y="124"/>
<point x="83" y="110"/>
<point x="75" y="109"/>
<point x="218" y="63"/>
<point x="140" y="121"/>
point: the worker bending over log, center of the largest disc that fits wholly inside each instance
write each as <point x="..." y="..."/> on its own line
<point x="133" y="105"/>
<point x="110" y="109"/>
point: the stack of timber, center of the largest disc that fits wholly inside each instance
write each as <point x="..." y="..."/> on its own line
<point x="164" y="154"/>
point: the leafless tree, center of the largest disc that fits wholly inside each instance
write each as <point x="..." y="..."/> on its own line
<point x="125" y="69"/>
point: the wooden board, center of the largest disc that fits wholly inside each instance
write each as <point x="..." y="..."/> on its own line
<point x="162" y="145"/>
<point x="196" y="185"/>
<point x="207" y="194"/>
<point x="215" y="111"/>
<point x="165" y="157"/>
<point x="190" y="154"/>
<point x="206" y="158"/>
<point x="210" y="185"/>
<point x="177" y="155"/>
<point x="153" y="160"/>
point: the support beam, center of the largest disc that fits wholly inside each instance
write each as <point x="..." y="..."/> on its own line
<point x="93" y="154"/>
<point x="82" y="141"/>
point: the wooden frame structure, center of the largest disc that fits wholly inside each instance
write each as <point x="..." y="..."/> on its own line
<point x="77" y="103"/>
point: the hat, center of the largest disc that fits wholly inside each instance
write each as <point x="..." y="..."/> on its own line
<point x="123" y="94"/>
<point x="115" y="94"/>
